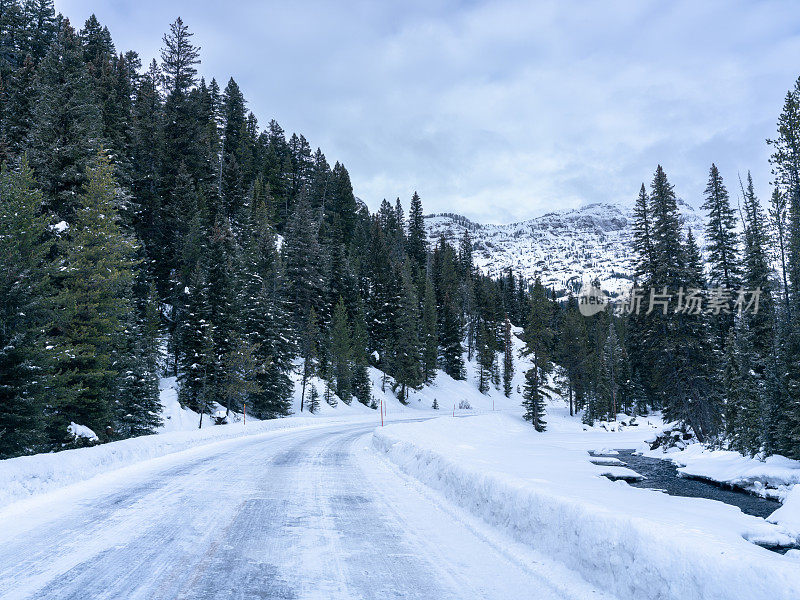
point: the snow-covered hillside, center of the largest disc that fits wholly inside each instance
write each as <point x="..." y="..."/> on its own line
<point x="562" y="247"/>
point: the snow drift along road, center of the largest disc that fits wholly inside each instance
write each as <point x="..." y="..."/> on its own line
<point x="635" y="543"/>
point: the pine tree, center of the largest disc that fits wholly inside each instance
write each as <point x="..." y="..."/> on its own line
<point x="339" y="278"/>
<point x="12" y="29"/>
<point x="313" y="400"/>
<point x="786" y="167"/>
<point x="417" y="239"/>
<point x="276" y="161"/>
<point x="762" y="325"/>
<point x="758" y="274"/>
<point x="340" y="208"/>
<point x="221" y="292"/>
<point x="340" y="352"/>
<point x="264" y="319"/>
<point x="666" y="236"/>
<point x="379" y="293"/>
<point x="790" y="368"/>
<point x="232" y="181"/>
<point x="98" y="48"/>
<point x="115" y="99"/>
<point x="509" y="296"/>
<point x="450" y="328"/>
<point x="65" y="135"/>
<point x="643" y="236"/>
<point x="138" y="406"/>
<point x="329" y="395"/>
<point x="614" y="375"/>
<point x="743" y="407"/>
<point x="785" y="160"/>
<point x="179" y="58"/>
<point x="42" y="28"/>
<point x="723" y="245"/>
<point x="146" y="169"/>
<point x="778" y="217"/>
<point x="24" y="291"/>
<point x="239" y="374"/>
<point x="406" y="361"/>
<point x="92" y="308"/>
<point x="687" y="375"/>
<point x="300" y="167"/>
<point x="572" y="352"/>
<point x="508" y="359"/>
<point x="429" y="338"/>
<point x="309" y="342"/>
<point x="303" y="260"/>
<point x="182" y="131"/>
<point x="466" y="292"/>
<point x="534" y="399"/>
<point x="538" y="338"/>
<point x="18" y="93"/>
<point x="672" y="350"/>
<point x="196" y="343"/>
<point x="486" y="356"/>
<point x="12" y="33"/>
<point x="362" y="386"/>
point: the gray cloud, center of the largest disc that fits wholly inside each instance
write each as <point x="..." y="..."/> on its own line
<point x="500" y="110"/>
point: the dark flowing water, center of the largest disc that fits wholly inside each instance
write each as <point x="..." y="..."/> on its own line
<point x="663" y="475"/>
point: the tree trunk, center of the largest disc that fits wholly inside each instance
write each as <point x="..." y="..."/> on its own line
<point x="305" y="379"/>
<point x="571" y="413"/>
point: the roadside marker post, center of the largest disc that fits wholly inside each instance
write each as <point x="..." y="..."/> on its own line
<point x="244" y="414"/>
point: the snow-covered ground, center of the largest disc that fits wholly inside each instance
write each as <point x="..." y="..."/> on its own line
<point x="175" y="417"/>
<point x="304" y="513"/>
<point x="28" y="476"/>
<point x="451" y="395"/>
<point x="539" y="500"/>
<point x="635" y="543"/>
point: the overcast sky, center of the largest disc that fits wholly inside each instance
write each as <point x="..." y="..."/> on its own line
<point x="498" y="110"/>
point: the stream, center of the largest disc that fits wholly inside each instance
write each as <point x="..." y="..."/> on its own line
<point x="663" y="475"/>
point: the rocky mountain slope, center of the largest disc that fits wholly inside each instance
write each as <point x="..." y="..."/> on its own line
<point x="562" y="247"/>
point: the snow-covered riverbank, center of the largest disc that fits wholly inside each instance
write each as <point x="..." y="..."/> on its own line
<point x="773" y="477"/>
<point x="543" y="490"/>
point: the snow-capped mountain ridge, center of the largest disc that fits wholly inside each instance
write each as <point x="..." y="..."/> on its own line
<point x="562" y="247"/>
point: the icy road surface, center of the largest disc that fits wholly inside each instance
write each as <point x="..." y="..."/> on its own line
<point x="310" y="513"/>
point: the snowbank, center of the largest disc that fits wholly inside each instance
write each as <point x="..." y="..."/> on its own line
<point x="788" y="515"/>
<point x="544" y="491"/>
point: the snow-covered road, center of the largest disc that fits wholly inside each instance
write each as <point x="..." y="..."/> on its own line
<point x="307" y="513"/>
